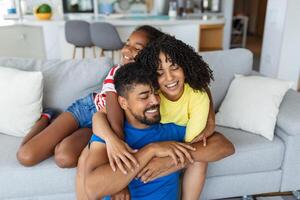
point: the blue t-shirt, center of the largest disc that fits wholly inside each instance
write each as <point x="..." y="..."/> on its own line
<point x="164" y="188"/>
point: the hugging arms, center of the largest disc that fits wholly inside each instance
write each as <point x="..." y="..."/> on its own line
<point x="98" y="170"/>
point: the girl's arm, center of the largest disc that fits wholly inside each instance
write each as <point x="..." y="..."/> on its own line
<point x="115" y="114"/>
<point x="119" y="153"/>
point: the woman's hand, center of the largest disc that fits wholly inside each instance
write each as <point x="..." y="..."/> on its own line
<point x="120" y="155"/>
<point x="176" y="150"/>
<point x="201" y="137"/>
<point x="122" y="195"/>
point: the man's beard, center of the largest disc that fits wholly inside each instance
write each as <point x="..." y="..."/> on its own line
<point x="143" y="119"/>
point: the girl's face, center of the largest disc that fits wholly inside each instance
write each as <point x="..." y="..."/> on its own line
<point x="170" y="78"/>
<point x="136" y="42"/>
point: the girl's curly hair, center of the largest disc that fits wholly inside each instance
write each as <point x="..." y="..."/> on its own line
<point x="152" y="32"/>
<point x="197" y="72"/>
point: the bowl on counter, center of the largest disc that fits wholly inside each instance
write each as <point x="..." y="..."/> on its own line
<point x="43" y="11"/>
<point x="43" y="16"/>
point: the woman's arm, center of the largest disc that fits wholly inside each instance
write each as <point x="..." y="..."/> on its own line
<point x="210" y="124"/>
<point x="218" y="147"/>
<point x="198" y="110"/>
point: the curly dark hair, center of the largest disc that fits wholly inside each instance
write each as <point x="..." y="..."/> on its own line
<point x="197" y="72"/>
<point x="131" y="74"/>
<point x="152" y="33"/>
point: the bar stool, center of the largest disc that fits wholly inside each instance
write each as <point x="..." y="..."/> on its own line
<point x="77" y="32"/>
<point x="105" y="36"/>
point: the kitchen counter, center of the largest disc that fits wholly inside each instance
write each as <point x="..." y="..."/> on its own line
<point x="184" y="28"/>
<point x="123" y="20"/>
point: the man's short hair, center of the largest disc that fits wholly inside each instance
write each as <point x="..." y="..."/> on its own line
<point x="132" y="74"/>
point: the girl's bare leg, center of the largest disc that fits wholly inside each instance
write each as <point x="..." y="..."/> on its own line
<point x="80" y="174"/>
<point x="68" y="151"/>
<point x="42" y="123"/>
<point x="193" y="181"/>
<point x="42" y="145"/>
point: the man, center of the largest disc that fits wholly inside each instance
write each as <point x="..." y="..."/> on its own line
<point x="143" y="131"/>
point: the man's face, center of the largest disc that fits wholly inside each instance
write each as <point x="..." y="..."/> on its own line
<point x="141" y="105"/>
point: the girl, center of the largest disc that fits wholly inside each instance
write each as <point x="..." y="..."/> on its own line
<point x="183" y="78"/>
<point x="69" y="133"/>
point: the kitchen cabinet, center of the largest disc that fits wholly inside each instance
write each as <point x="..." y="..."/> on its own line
<point x="211" y="37"/>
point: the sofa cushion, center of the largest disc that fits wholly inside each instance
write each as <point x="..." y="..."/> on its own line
<point x="253" y="153"/>
<point x="224" y="68"/>
<point x="252" y="104"/>
<point x="21" y="95"/>
<point x="64" y="80"/>
<point x="43" y="179"/>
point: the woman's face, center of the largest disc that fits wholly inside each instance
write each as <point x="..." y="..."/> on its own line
<point x="136" y="42"/>
<point x="170" y="78"/>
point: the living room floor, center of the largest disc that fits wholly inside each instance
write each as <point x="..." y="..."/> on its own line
<point x="254" y="44"/>
<point x="282" y="196"/>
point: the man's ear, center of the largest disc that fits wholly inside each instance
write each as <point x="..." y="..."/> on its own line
<point x="123" y="102"/>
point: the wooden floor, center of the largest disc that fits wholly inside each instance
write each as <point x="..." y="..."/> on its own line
<point x="254" y="44"/>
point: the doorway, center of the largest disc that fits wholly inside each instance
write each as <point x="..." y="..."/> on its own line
<point x="248" y="27"/>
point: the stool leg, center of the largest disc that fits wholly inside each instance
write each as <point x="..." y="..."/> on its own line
<point x="101" y="52"/>
<point x="94" y="51"/>
<point x="83" y="52"/>
<point x="74" y="52"/>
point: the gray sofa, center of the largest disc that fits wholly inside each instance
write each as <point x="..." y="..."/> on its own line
<point x="258" y="166"/>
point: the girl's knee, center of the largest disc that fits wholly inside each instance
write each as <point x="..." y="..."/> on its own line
<point x="26" y="157"/>
<point x="63" y="158"/>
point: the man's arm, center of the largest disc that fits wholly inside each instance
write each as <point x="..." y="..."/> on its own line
<point x="101" y="180"/>
<point x="218" y="147"/>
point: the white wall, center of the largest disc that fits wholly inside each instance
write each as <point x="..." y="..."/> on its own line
<point x="289" y="65"/>
<point x="227" y="8"/>
<point x="281" y="41"/>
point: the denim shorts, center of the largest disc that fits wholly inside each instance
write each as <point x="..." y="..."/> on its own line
<point x="83" y="111"/>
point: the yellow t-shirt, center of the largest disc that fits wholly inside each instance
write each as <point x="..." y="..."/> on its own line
<point x="191" y="110"/>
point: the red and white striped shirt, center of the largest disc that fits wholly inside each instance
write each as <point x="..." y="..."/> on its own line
<point x="107" y="86"/>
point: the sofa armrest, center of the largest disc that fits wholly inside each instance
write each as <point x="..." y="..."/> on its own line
<point x="289" y="113"/>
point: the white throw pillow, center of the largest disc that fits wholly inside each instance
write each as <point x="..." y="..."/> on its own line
<point x="20" y="101"/>
<point x="252" y="104"/>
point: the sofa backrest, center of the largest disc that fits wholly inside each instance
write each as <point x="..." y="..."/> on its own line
<point x="68" y="80"/>
<point x="224" y="65"/>
<point x="64" y="81"/>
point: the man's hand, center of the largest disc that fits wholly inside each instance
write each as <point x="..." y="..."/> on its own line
<point x="119" y="153"/>
<point x="122" y="195"/>
<point x="176" y="150"/>
<point x="154" y="168"/>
